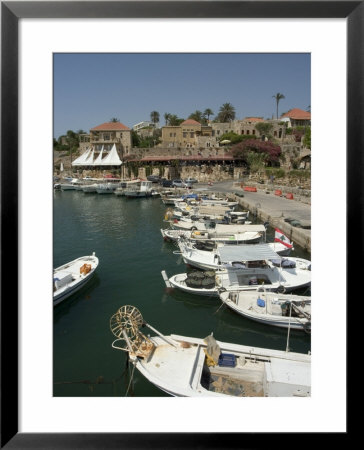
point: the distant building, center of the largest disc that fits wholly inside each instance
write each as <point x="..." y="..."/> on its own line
<point x="297" y="117"/>
<point x="189" y="134"/>
<point x="110" y="133"/>
<point x="145" y="124"/>
<point x="84" y="142"/>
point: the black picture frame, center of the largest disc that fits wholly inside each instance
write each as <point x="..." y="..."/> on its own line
<point x="11" y="12"/>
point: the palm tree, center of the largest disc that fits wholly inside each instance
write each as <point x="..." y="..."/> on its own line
<point x="278" y="97"/>
<point x="208" y="112"/>
<point x="154" y="116"/>
<point x="167" y="117"/>
<point x="226" y="113"/>
<point x="197" y="115"/>
<point x="174" y="120"/>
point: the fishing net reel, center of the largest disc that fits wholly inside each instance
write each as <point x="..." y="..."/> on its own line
<point x="125" y="324"/>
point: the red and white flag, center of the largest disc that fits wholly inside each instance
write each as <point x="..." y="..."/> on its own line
<point x="282" y="238"/>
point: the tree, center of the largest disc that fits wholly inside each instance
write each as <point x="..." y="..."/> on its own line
<point x="207" y="113"/>
<point x="174" y="121"/>
<point x="135" y="139"/>
<point x="154" y="116"/>
<point x="114" y="119"/>
<point x="242" y="149"/>
<point x="264" y="128"/>
<point x="226" y="113"/>
<point x="197" y="115"/>
<point x="307" y="138"/>
<point x="167" y="117"/>
<point x="278" y="98"/>
<point x="235" y="138"/>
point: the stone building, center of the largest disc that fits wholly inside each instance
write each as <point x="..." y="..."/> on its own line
<point x="297" y="117"/>
<point x="110" y="133"/>
<point x="84" y="142"/>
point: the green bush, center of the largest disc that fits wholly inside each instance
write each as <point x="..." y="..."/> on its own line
<point x="277" y="173"/>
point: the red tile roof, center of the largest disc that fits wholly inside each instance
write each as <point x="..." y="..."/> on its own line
<point x="185" y="158"/>
<point x="254" y="119"/>
<point x="190" y="122"/>
<point x="298" y="114"/>
<point x="110" y="126"/>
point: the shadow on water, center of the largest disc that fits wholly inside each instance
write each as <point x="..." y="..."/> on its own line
<point x="84" y="294"/>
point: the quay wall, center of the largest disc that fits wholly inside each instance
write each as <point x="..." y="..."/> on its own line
<point x="300" y="236"/>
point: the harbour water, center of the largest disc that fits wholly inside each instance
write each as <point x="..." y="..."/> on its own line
<point x="125" y="235"/>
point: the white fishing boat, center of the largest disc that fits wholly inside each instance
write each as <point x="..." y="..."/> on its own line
<point x="107" y="188"/>
<point x="192" y="367"/>
<point x="240" y="277"/>
<point x="71" y="277"/>
<point x="72" y="185"/>
<point x="252" y="234"/>
<point x="271" y="308"/>
<point x="209" y="224"/>
<point x="169" y="197"/>
<point x="142" y="189"/>
<point x="213" y="200"/>
<point x="123" y="185"/>
<point x="237" y="255"/>
<point x="90" y="188"/>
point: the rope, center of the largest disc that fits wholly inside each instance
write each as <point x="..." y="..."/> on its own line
<point x="222" y="304"/>
<point x="131" y="379"/>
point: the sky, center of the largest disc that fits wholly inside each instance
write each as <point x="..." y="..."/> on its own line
<point x="89" y="88"/>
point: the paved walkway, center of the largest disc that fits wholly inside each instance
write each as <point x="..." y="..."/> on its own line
<point x="270" y="207"/>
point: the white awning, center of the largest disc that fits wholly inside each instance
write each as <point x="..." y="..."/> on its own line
<point x="80" y="161"/>
<point x="99" y="158"/>
<point x="112" y="159"/>
<point x="246" y="252"/>
<point x="90" y="159"/>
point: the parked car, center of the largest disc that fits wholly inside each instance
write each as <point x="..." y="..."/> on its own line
<point x="178" y="183"/>
<point x="191" y="180"/>
<point x="153" y="178"/>
<point x="165" y="183"/>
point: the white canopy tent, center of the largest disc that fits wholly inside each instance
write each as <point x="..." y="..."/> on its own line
<point x="99" y="158"/>
<point x="112" y="159"/>
<point x="80" y="161"/>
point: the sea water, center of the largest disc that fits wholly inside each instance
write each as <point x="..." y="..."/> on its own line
<point x="125" y="235"/>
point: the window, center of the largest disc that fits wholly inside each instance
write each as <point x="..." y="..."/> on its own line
<point x="253" y="131"/>
<point x="184" y="135"/>
<point x="106" y="137"/>
<point x="191" y="135"/>
<point x="247" y="132"/>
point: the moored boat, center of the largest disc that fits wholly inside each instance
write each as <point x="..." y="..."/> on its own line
<point x="70" y="277"/>
<point x="271" y="308"/>
<point x="237" y="255"/>
<point x="192" y="367"/>
<point x="141" y="189"/>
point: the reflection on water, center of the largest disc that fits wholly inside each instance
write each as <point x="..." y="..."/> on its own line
<point x="125" y="235"/>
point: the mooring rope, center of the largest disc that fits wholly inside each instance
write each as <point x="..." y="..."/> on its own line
<point x="131" y="379"/>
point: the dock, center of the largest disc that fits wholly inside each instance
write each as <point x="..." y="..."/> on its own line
<point x="268" y="207"/>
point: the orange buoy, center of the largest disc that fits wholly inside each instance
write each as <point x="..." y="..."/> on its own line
<point x="277" y="192"/>
<point x="289" y="196"/>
